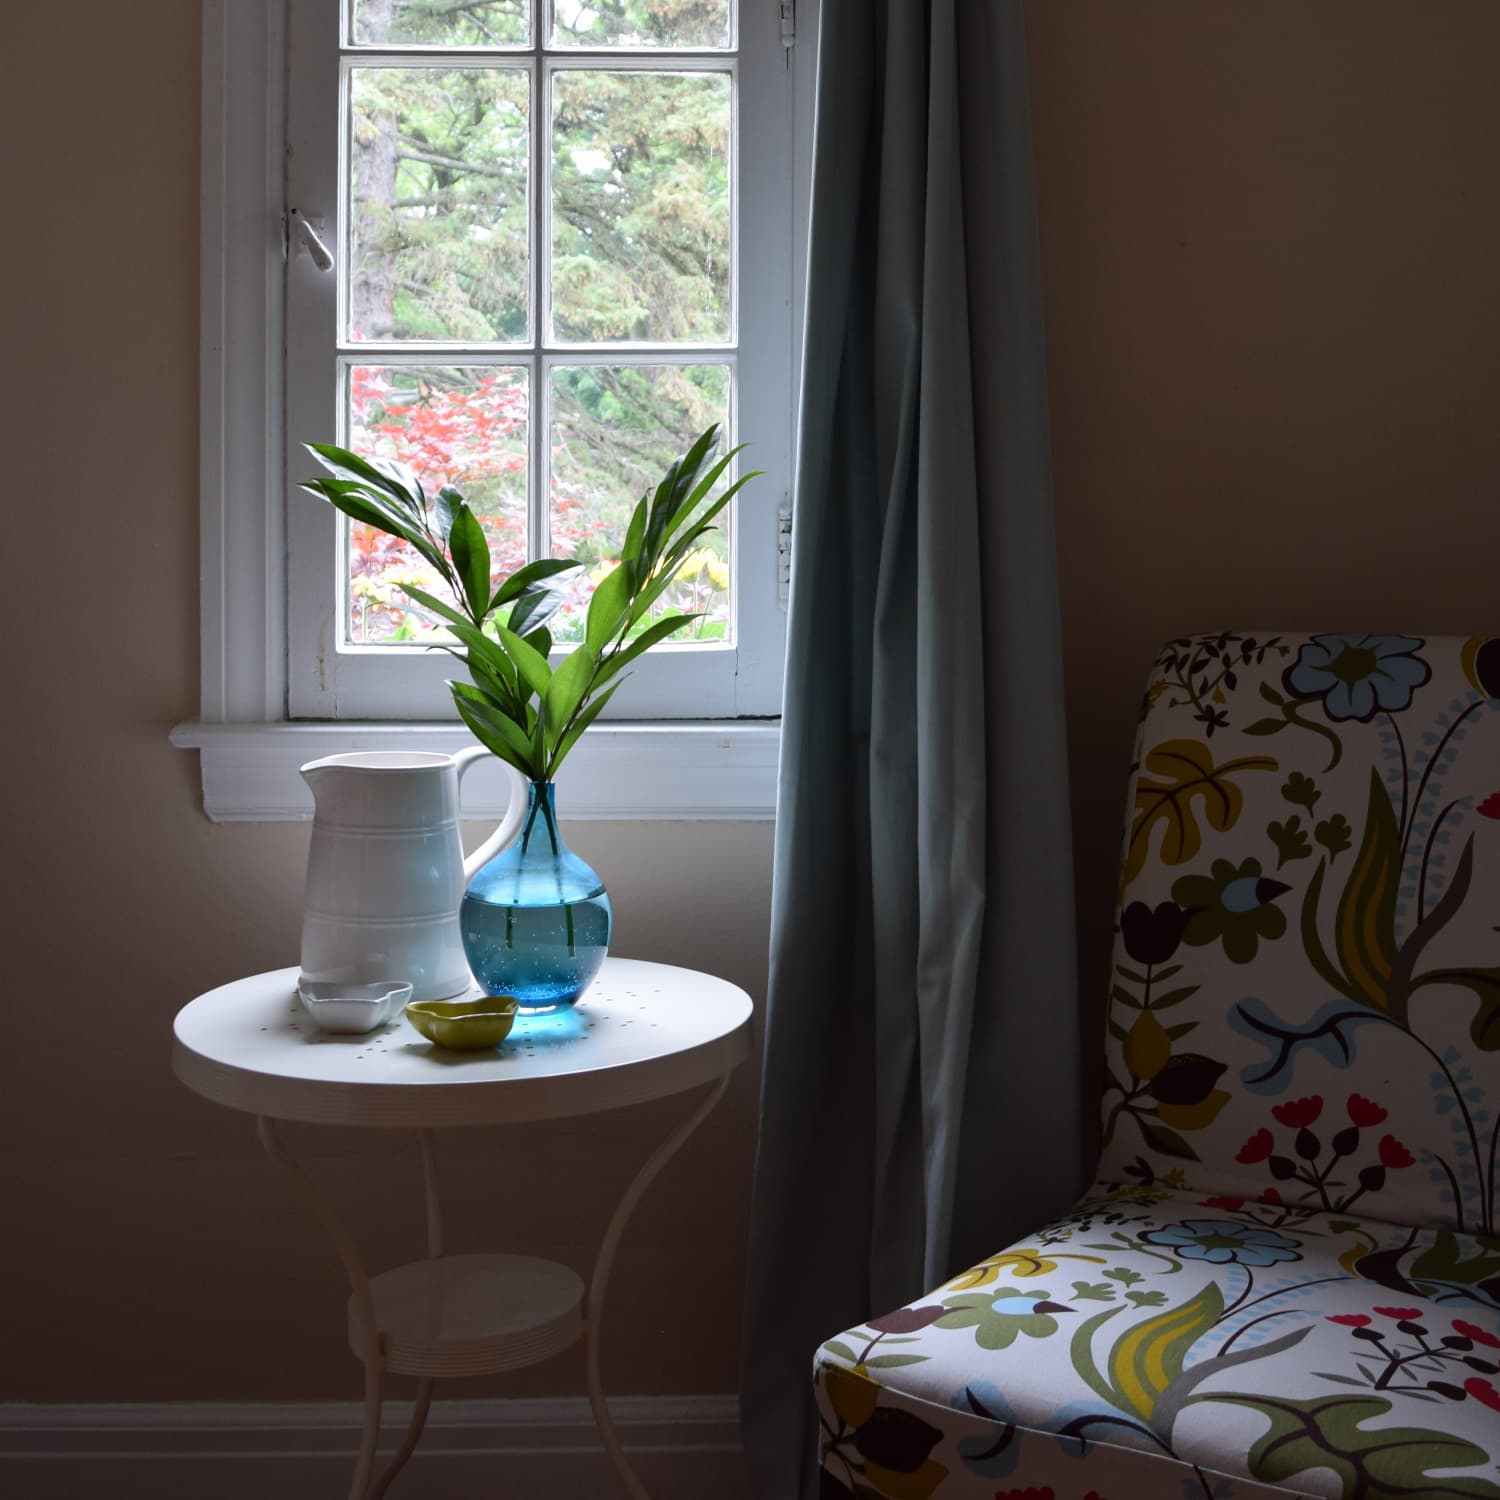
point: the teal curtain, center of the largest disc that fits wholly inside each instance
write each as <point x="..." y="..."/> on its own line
<point x="919" y="1104"/>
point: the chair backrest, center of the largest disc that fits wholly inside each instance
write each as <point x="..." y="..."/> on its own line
<point x="1305" y="999"/>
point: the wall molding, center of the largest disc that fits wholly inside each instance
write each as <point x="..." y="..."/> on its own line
<point x="684" y="1447"/>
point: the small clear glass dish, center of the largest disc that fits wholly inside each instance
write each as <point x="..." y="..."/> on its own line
<point x="352" y="1009"/>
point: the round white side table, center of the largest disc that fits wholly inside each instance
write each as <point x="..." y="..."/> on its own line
<point x="641" y="1031"/>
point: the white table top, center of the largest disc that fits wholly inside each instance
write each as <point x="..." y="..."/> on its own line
<point x="641" y="1031"/>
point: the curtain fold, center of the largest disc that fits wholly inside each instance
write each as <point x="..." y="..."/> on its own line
<point x="919" y="1099"/>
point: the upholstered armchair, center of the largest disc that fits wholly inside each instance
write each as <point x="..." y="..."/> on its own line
<point x="1286" y="1277"/>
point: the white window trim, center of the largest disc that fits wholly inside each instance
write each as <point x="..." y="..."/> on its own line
<point x="249" y="751"/>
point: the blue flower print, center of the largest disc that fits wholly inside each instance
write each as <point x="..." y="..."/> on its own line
<point x="1221" y="1241"/>
<point x="1358" y="675"/>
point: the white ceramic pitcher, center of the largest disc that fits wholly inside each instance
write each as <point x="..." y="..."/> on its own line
<point x="386" y="872"/>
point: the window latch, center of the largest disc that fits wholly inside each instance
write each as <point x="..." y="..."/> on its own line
<point x="311" y="241"/>
<point x="784" y="551"/>
<point x="788" y="28"/>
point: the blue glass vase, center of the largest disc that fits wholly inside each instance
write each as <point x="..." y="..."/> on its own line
<point x="536" y="919"/>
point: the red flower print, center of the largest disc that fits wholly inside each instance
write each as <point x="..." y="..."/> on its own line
<point x="1393" y="1154"/>
<point x="1490" y="807"/>
<point x="1257" y="1148"/>
<point x="1269" y="1195"/>
<point x="1364" y="1112"/>
<point x="1479" y="1335"/>
<point x="1350" y="1320"/>
<point x="1400" y="1314"/>
<point x="1483" y="1392"/>
<point x="1298" y="1114"/>
<point x="1231" y="1204"/>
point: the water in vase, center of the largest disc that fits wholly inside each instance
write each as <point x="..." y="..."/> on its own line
<point x="536" y="919"/>
<point x="543" y="955"/>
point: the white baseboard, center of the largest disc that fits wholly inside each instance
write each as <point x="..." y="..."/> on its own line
<point x="683" y="1448"/>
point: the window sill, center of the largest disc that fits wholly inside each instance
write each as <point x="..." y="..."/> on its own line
<point x="722" y="770"/>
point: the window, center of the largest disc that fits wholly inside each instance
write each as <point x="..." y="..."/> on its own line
<point x="561" y="242"/>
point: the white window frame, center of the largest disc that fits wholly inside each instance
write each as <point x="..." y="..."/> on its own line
<point x="665" y="767"/>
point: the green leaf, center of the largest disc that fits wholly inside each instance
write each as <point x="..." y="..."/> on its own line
<point x="608" y="606"/>
<point x="1093" y="1291"/>
<point x="648" y="595"/>
<point x="471" y="556"/>
<point x="678" y="483"/>
<point x="448" y="501"/>
<point x="1365" y="923"/>
<point x="1148" y="1357"/>
<point x="487" y="733"/>
<point x="534" y="607"/>
<point x="1168" y="1142"/>
<point x="426" y="600"/>
<point x="528" y="577"/>
<point x="891" y="1361"/>
<point x="1334" y="835"/>
<point x="586" y="716"/>
<point x="492" y="653"/>
<point x="369" y="508"/>
<point x="1445" y="1259"/>
<point x="1376" y="1462"/>
<point x="1484" y="1029"/>
<point x="706" y="518"/>
<point x="496" y="721"/>
<point x="540" y="641"/>
<point x="630" y="550"/>
<point x="1290" y="839"/>
<point x="1173" y="777"/>
<point x="530" y="663"/>
<point x="396" y="479"/>
<point x="566" y="690"/>
<point x="700" y="489"/>
<point x="649" y="637"/>
<point x="1173" y="997"/>
<point x="1266" y="726"/>
<point x="496" y="677"/>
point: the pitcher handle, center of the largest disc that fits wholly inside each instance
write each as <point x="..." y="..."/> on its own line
<point x="515" y="808"/>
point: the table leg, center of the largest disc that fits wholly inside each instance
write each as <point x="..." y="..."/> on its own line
<point x="600" y="1282"/>
<point x="424" y="1386"/>
<point x="359" y="1285"/>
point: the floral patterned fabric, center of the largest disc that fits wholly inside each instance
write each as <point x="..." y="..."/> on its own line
<point x="1287" y="1280"/>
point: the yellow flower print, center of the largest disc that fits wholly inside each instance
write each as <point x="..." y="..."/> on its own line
<point x="1020" y="1263"/>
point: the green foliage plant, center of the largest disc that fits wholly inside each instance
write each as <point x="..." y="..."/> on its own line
<point x="515" y="703"/>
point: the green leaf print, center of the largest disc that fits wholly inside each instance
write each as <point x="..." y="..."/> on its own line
<point x="1375" y="1463"/>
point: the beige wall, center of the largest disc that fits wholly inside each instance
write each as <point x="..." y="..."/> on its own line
<point x="1269" y="234"/>
<point x="1271" y="264"/>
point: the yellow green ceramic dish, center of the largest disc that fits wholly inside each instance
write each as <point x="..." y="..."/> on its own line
<point x="464" y="1025"/>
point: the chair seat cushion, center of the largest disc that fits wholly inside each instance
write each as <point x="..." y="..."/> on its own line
<point x="1277" y="1350"/>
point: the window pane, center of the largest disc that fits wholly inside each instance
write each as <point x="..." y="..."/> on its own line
<point x="461" y="426"/>
<point x="614" y="430"/>
<point x="438" y="217"/>
<point x="640" y="23"/>
<point x="441" y="23"/>
<point x="640" y="206"/>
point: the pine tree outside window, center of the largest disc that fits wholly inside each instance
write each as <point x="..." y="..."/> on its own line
<point x="531" y="247"/>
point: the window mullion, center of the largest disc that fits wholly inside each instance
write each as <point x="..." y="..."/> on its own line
<point x="540" y="478"/>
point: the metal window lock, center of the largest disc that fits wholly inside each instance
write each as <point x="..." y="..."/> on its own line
<point x="311" y="241"/>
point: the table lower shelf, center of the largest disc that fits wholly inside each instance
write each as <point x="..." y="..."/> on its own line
<point x="473" y="1314"/>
